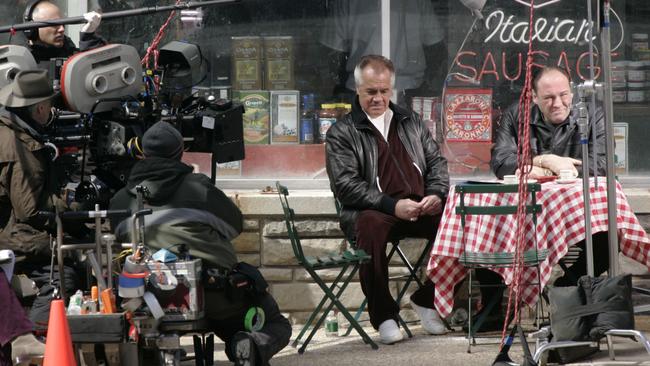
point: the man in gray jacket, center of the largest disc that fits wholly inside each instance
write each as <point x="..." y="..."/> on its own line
<point x="387" y="172"/>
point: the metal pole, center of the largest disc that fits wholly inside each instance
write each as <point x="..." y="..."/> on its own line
<point x="113" y="15"/>
<point x="98" y="240"/>
<point x="584" y="90"/>
<point x="609" y="134"/>
<point x="583" y="126"/>
<point x="59" y="255"/>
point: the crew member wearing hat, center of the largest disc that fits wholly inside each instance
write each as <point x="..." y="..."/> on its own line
<point x="24" y="190"/>
<point x="188" y="209"/>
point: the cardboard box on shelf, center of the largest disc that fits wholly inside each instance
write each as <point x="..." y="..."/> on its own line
<point x="621" y="163"/>
<point x="429" y="110"/>
<point x="246" y="63"/>
<point x="285" y="113"/>
<point x="278" y="61"/>
<point x="256" y="115"/>
<point x="229" y="169"/>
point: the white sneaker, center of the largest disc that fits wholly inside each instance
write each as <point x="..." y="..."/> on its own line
<point x="389" y="333"/>
<point x="429" y="319"/>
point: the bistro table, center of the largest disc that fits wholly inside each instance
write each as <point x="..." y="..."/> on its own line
<point x="559" y="225"/>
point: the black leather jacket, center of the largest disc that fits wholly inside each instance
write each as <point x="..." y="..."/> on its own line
<point x="563" y="141"/>
<point x="351" y="154"/>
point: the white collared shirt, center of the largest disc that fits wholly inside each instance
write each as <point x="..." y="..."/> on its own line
<point x="382" y="123"/>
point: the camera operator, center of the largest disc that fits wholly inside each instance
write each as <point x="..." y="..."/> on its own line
<point x="51" y="42"/>
<point x="28" y="184"/>
<point x="188" y="209"/>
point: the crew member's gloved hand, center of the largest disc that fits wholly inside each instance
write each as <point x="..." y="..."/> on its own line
<point x="556" y="163"/>
<point x="93" y="19"/>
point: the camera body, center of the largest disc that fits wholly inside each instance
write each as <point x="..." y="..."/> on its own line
<point x="108" y="103"/>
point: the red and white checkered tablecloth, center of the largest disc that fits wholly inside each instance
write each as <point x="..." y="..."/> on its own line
<point x="560" y="225"/>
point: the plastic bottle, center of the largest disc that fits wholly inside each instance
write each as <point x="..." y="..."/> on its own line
<point x="332" y="324"/>
<point x="74" y="307"/>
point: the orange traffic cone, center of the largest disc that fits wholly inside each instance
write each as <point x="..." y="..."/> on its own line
<point x="58" y="345"/>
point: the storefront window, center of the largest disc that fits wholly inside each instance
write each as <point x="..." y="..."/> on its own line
<point x="290" y="62"/>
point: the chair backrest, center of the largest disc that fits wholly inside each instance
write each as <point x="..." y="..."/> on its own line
<point x="289" y="219"/>
<point x="463" y="209"/>
<point x="337" y="204"/>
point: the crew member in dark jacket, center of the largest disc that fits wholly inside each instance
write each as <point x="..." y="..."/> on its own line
<point x="555" y="145"/>
<point x="388" y="174"/>
<point x="189" y="210"/>
<point x="51" y="42"/>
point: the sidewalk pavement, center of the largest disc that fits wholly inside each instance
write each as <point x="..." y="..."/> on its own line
<point x="422" y="349"/>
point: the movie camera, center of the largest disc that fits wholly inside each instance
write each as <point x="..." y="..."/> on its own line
<point x="108" y="101"/>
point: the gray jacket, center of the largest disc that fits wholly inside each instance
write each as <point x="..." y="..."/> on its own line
<point x="563" y="141"/>
<point x="187" y="209"/>
<point x="351" y="161"/>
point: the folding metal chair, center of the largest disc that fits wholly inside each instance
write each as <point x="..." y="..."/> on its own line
<point x="474" y="260"/>
<point x="347" y="262"/>
<point x="410" y="277"/>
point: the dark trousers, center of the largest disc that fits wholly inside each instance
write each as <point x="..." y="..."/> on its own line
<point x="601" y="263"/>
<point x="374" y="230"/>
<point x="269" y="340"/>
<point x="14" y="320"/>
<point x="579" y="268"/>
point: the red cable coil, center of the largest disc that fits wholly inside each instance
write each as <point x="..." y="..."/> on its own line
<point x="524" y="165"/>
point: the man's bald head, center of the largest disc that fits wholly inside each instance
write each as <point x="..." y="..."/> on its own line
<point x="54" y="35"/>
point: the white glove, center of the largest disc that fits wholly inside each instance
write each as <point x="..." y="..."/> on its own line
<point x="93" y="19"/>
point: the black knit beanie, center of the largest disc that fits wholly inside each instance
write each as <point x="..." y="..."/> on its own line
<point x="162" y="140"/>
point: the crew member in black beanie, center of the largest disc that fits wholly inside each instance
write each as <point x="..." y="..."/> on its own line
<point x="163" y="140"/>
<point x="189" y="210"/>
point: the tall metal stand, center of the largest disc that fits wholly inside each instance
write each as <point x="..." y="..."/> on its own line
<point x="586" y="90"/>
<point x="606" y="54"/>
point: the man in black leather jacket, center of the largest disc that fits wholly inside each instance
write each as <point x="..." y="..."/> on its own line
<point x="554" y="133"/>
<point x="391" y="179"/>
<point x="555" y="145"/>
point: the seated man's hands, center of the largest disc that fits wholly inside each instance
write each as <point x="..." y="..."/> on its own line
<point x="407" y="209"/>
<point x="93" y="19"/>
<point x="431" y="205"/>
<point x="556" y="163"/>
<point x="535" y="172"/>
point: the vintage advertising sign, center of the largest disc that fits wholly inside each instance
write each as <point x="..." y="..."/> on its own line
<point x="468" y="115"/>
